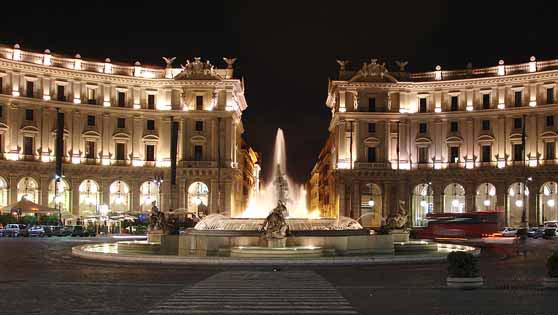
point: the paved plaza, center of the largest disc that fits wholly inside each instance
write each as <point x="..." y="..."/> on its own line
<point x="39" y="276"/>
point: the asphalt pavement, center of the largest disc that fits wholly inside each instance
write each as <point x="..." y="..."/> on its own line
<point x="40" y="276"/>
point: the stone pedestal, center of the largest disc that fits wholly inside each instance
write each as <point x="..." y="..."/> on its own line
<point x="400" y="235"/>
<point x="277" y="243"/>
<point x="154" y="236"/>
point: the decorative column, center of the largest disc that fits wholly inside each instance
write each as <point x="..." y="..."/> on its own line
<point x="43" y="186"/>
<point x="135" y="191"/>
<point x="438" y="196"/>
<point x="75" y="182"/>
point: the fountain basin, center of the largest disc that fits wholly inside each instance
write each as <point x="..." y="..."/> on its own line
<point x="336" y="242"/>
<point x="285" y="252"/>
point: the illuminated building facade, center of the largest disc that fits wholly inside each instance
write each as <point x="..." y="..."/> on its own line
<point x="117" y="134"/>
<point x="444" y="141"/>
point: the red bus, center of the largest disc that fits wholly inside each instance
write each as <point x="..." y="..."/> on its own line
<point x="460" y="225"/>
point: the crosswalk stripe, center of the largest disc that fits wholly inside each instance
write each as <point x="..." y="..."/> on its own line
<point x="258" y="292"/>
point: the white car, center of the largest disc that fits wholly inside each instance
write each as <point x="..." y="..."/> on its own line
<point x="11" y="230"/>
<point x="508" y="232"/>
<point x="37" y="231"/>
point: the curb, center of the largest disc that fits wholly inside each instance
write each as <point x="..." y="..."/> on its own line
<point x="79" y="251"/>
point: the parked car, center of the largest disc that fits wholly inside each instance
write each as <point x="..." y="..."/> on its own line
<point x="549" y="233"/>
<point x="64" y="230"/>
<point x="36" y="231"/>
<point x="535" y="232"/>
<point x="508" y="232"/>
<point x="79" y="230"/>
<point x="11" y="230"/>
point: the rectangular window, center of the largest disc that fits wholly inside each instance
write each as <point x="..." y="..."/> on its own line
<point x="199" y="125"/>
<point x="371" y="127"/>
<point x="517" y="99"/>
<point x="422" y="105"/>
<point x="150" y="152"/>
<point x="121" y="151"/>
<point x="517" y="123"/>
<point x="371" y="155"/>
<point x="423" y="155"/>
<point x="199" y="102"/>
<point x="90" y="120"/>
<point x="28" y="145"/>
<point x="550" y="96"/>
<point x="29" y="88"/>
<point x="454" y="103"/>
<point x="550" y="121"/>
<point x="486" y="153"/>
<point x="198" y="150"/>
<point x="518" y="152"/>
<point x="550" y="150"/>
<point x="91" y="97"/>
<point x="150" y="124"/>
<point x="121" y="98"/>
<point x="60" y="93"/>
<point x="89" y="149"/>
<point x="486" y="125"/>
<point x="150" y="101"/>
<point x="454" y="154"/>
<point x="423" y="127"/>
<point x="486" y="101"/>
<point x="121" y="123"/>
<point x="372" y="104"/>
<point x="454" y="126"/>
<point x="29" y="115"/>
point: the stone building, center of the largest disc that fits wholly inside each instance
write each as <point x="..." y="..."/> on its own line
<point x="117" y="134"/>
<point x="443" y="141"/>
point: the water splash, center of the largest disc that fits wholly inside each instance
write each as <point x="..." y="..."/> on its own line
<point x="280" y="188"/>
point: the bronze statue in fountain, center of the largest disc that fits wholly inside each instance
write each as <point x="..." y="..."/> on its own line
<point x="275" y="226"/>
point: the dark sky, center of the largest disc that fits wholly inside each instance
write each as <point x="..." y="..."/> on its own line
<point x="286" y="51"/>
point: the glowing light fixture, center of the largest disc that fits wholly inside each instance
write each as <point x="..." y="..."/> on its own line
<point x="371" y="203"/>
<point x="519" y="203"/>
<point x="455" y="203"/>
<point x="551" y="202"/>
<point x="486" y="202"/>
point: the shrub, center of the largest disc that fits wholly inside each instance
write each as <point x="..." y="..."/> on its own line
<point x="552" y="265"/>
<point x="462" y="265"/>
<point x="7" y="219"/>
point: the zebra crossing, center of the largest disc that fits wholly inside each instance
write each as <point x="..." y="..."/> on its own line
<point x="258" y="292"/>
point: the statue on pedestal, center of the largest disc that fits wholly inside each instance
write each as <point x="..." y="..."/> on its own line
<point x="157" y="220"/>
<point x="275" y="226"/>
<point x="398" y="220"/>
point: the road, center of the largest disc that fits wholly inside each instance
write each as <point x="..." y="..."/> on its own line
<point x="39" y="276"/>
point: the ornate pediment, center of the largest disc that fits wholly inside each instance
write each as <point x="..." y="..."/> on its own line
<point x="198" y="139"/>
<point x="197" y="70"/>
<point x="373" y="72"/>
<point x="423" y="141"/>
<point x="371" y="141"/>
<point x="454" y="140"/>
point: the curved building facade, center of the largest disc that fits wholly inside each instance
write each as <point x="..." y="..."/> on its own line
<point x="441" y="141"/>
<point x="118" y="122"/>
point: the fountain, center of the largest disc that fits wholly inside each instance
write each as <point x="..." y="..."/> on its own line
<point x="275" y="225"/>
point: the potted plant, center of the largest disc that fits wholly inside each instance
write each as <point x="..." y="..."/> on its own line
<point x="463" y="271"/>
<point x="551" y="280"/>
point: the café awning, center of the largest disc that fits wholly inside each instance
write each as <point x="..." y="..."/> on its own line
<point x="25" y="206"/>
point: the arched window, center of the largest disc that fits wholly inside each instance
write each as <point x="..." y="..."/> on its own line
<point x="3" y="192"/>
<point x="149" y="192"/>
<point x="198" y="197"/>
<point x="59" y="196"/>
<point x="518" y="199"/>
<point x="485" y="200"/>
<point x="119" y="197"/>
<point x="89" y="197"/>
<point x="371" y="205"/>
<point x="454" y="198"/>
<point x="422" y="203"/>
<point x="28" y="188"/>
<point x="548" y="202"/>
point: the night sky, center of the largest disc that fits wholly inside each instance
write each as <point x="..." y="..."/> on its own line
<point x="286" y="51"/>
